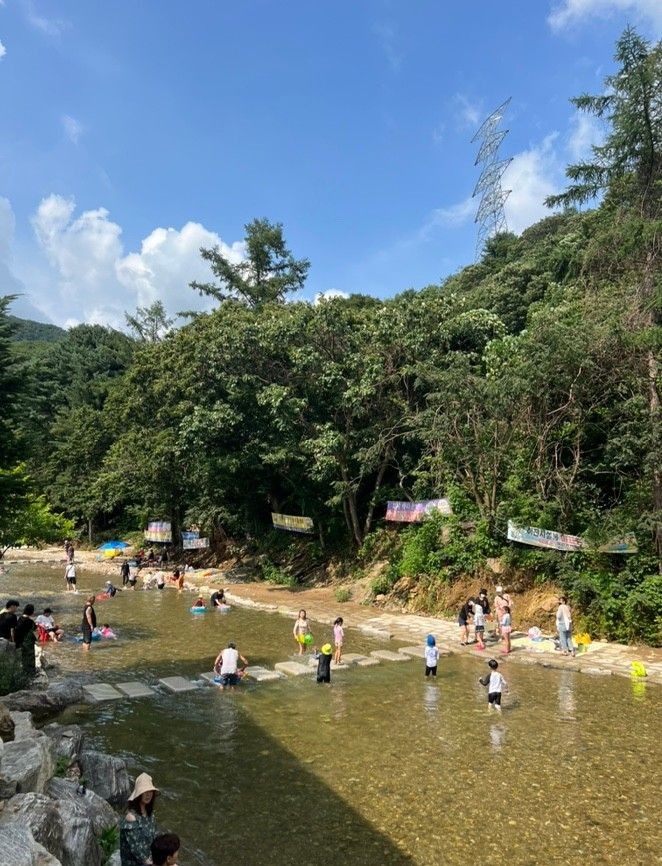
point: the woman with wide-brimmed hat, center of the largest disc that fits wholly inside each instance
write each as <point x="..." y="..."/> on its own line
<point x="138" y="827"/>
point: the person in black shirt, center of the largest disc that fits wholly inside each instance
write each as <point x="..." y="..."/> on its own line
<point x="324" y="664"/>
<point x="8" y="620"/>
<point x="89" y="622"/>
<point x="217" y="598"/>
<point x="125" y="570"/>
<point x="26" y="638"/>
<point x="466" y="611"/>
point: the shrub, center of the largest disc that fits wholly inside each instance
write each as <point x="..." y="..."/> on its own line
<point x="343" y="595"/>
<point x="12" y="676"/>
<point x="273" y="574"/>
<point x="109" y="841"/>
<point x="643" y="611"/>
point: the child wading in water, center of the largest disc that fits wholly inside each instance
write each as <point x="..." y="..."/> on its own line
<point x="431" y="656"/>
<point x="324" y="664"/>
<point x="495" y="685"/>
<point x="300" y="630"/>
<point x="338" y="638"/>
<point x="506" y="629"/>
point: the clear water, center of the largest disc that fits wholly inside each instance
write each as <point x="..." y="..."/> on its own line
<point x="380" y="767"/>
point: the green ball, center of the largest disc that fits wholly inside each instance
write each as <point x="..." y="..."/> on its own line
<point x="308" y="638"/>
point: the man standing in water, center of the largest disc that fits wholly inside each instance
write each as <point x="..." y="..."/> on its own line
<point x="125" y="571"/>
<point x="70" y="577"/>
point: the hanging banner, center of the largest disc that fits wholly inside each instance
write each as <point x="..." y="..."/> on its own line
<point x="625" y="544"/>
<point x="416" y="512"/>
<point x="560" y="541"/>
<point x="189" y="534"/>
<point x="292" y="523"/>
<point x="158" y="530"/>
<point x="544" y="538"/>
<point x="195" y="543"/>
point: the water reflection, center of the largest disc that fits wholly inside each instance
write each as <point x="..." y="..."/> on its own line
<point x="567" y="708"/>
<point x="431" y="696"/>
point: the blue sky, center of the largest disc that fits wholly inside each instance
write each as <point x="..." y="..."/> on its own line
<point x="132" y="133"/>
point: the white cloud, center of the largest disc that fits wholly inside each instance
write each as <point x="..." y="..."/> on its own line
<point x="585" y="131"/>
<point x="468" y="113"/>
<point x="387" y="34"/>
<point x="88" y="277"/>
<point x="571" y="12"/>
<point x="168" y="261"/>
<point x="329" y="295"/>
<point x="3" y="50"/>
<point x="49" y="26"/>
<point x="452" y="216"/>
<point x="532" y="176"/>
<point x="73" y="128"/>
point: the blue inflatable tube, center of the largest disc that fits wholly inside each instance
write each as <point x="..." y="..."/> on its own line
<point x="198" y="610"/>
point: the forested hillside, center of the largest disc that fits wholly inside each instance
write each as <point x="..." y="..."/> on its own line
<point x="524" y="388"/>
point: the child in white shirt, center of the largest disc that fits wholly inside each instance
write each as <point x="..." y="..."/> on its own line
<point x="495" y="685"/>
<point x="431" y="656"/>
<point x="479" y="624"/>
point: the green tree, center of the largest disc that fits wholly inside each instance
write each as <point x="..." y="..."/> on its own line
<point x="627" y="168"/>
<point x="268" y="272"/>
<point x="150" y="324"/>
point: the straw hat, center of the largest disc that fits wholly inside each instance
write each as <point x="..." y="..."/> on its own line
<point x="142" y="785"/>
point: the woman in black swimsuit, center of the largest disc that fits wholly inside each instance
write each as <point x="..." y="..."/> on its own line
<point x="466" y="611"/>
<point x="89" y="622"/>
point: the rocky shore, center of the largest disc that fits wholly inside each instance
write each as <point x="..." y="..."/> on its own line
<point x="56" y="793"/>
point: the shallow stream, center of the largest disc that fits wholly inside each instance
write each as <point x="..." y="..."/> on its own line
<point x="380" y="767"/>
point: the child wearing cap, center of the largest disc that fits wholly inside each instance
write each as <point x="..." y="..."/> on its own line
<point x="324" y="664"/>
<point x="431" y="656"/>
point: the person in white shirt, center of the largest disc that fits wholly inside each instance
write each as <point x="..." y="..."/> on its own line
<point x="70" y="577"/>
<point x="46" y="621"/>
<point x="479" y="624"/>
<point x="495" y="686"/>
<point x="431" y="656"/>
<point x="226" y="666"/>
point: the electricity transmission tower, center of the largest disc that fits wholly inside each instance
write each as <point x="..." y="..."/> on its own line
<point x="491" y="216"/>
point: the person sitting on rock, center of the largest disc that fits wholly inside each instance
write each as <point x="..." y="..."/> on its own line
<point x="138" y="827"/>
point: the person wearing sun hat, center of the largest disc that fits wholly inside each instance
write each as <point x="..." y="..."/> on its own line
<point x="324" y="663"/>
<point x="138" y="827"/>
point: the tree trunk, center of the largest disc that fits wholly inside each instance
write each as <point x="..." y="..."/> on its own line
<point x="378" y="483"/>
<point x="656" y="421"/>
<point x="89" y="529"/>
<point x="350" y="499"/>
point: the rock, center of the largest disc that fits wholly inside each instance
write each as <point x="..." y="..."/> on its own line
<point x="29" y="763"/>
<point x="79" y="840"/>
<point x="23" y="727"/>
<point x="100" y="813"/>
<point x="67" y="740"/>
<point x="6" y="724"/>
<point x="106" y="776"/>
<point x="39" y="814"/>
<point x="19" y="848"/>
<point x="41" y="704"/>
<point x="114" y="860"/>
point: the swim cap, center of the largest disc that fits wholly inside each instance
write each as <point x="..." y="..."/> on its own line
<point x="430" y="640"/>
<point x="499" y="589"/>
<point x="326" y="649"/>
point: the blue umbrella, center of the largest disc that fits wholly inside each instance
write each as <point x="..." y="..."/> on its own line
<point x="113" y="545"/>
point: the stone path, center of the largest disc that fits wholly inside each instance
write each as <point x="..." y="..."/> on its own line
<point x="99" y="692"/>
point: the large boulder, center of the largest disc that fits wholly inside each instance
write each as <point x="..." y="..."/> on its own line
<point x="42" y="704"/>
<point x="28" y="763"/>
<point x="6" y="724"/>
<point x="67" y="740"/>
<point x="106" y="775"/>
<point x="18" y="847"/>
<point x="23" y="727"/>
<point x="79" y="841"/>
<point x="99" y="813"/>
<point x="40" y="815"/>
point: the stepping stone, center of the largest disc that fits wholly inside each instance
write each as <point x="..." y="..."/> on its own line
<point x="208" y="677"/>
<point x="600" y="672"/>
<point x="263" y="675"/>
<point x="371" y="631"/>
<point x="293" y="669"/>
<point x="389" y="656"/>
<point x="367" y="663"/>
<point x="135" y="690"/>
<point x="352" y="658"/>
<point x="417" y="652"/>
<point x="102" y="692"/>
<point x="178" y="684"/>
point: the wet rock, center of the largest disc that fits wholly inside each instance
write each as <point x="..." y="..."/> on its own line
<point x="23" y="727"/>
<point x="98" y="812"/>
<point x="6" y="724"/>
<point x="106" y="775"/>
<point x="28" y="763"/>
<point x="40" y="815"/>
<point x="67" y="740"/>
<point x="42" y="704"/>
<point x="18" y="847"/>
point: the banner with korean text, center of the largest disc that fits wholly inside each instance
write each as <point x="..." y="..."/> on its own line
<point x="536" y="537"/>
<point x="158" y="530"/>
<point x="416" y="512"/>
<point x="292" y="523"/>
<point x="194" y="543"/>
